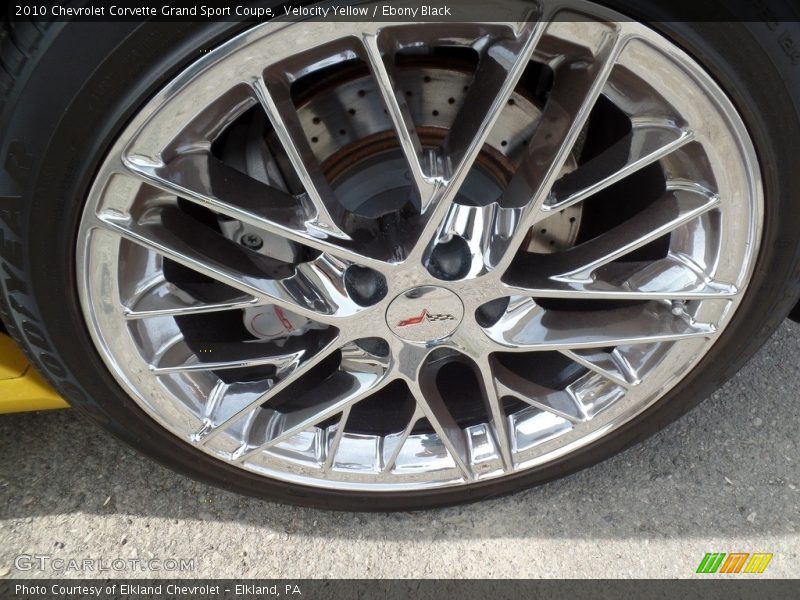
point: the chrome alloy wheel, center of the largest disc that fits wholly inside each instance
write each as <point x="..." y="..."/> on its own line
<point x="387" y="257"/>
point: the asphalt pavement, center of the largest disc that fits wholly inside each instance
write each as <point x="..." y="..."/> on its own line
<point x="725" y="478"/>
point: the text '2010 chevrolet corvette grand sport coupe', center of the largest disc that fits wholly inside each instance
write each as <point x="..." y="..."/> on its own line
<point x="385" y="264"/>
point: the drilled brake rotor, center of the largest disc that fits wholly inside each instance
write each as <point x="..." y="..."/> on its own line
<point x="352" y="137"/>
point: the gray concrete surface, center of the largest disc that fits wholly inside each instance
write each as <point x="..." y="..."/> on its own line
<point x="725" y="478"/>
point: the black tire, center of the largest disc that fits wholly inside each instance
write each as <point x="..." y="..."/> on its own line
<point x="65" y="93"/>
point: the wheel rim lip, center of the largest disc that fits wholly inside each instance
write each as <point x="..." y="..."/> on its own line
<point x="89" y="296"/>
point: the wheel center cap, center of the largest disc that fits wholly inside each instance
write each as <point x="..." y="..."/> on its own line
<point x="425" y="314"/>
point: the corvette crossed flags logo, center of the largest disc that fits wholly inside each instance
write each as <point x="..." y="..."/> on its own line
<point x="425" y="316"/>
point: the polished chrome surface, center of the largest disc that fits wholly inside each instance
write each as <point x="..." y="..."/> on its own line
<point x="425" y="314"/>
<point x="373" y="257"/>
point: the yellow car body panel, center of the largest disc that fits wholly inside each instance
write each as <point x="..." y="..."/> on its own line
<point x="21" y="387"/>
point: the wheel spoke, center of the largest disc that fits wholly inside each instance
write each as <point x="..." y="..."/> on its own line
<point x="166" y="299"/>
<point x="393" y="443"/>
<point x="204" y="180"/>
<point x="499" y="70"/>
<point x="496" y="412"/>
<point x="239" y="399"/>
<point x="578" y="85"/>
<point x="577" y="264"/>
<point x="361" y="375"/>
<point x="635" y="361"/>
<point x="433" y="407"/>
<point x="558" y="402"/>
<point x="386" y="80"/>
<point x="315" y="289"/>
<point x="527" y="326"/>
<point x="644" y="145"/>
<point x="333" y="447"/>
<point x="177" y="306"/>
<point x="579" y="401"/>
<point x="665" y="279"/>
<point x="276" y="101"/>
<point x="179" y="357"/>
<point x="605" y="364"/>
